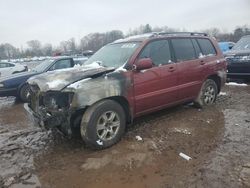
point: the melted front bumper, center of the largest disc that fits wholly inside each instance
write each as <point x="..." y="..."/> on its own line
<point x="47" y="120"/>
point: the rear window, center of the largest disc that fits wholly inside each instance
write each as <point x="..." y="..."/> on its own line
<point x="183" y="49"/>
<point x="5" y="65"/>
<point x="207" y="47"/>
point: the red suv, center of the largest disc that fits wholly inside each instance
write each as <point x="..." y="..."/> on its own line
<point x="126" y="79"/>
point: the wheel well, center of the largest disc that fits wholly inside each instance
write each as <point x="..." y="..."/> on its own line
<point x="217" y="80"/>
<point x="75" y="115"/>
<point x="125" y="105"/>
<point x="121" y="100"/>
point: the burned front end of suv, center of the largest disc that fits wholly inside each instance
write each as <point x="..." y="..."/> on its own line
<point x="51" y="109"/>
<point x="62" y="107"/>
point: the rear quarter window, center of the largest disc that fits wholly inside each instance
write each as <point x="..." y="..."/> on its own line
<point x="183" y="49"/>
<point x="207" y="47"/>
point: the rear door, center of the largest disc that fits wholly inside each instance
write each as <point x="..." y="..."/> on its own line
<point x="156" y="87"/>
<point x="190" y="67"/>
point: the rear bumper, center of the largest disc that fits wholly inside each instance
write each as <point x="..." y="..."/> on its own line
<point x="4" y="92"/>
<point x="46" y="120"/>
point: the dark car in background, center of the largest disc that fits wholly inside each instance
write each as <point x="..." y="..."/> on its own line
<point x="16" y="85"/>
<point x="239" y="59"/>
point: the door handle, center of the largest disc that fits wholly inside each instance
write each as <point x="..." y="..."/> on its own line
<point x="171" y="69"/>
<point x="202" y="62"/>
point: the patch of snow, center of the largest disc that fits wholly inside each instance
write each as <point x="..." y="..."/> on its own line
<point x="138" y="138"/>
<point x="121" y="69"/>
<point x="99" y="142"/>
<point x="76" y="85"/>
<point x="222" y="93"/>
<point x="77" y="66"/>
<point x="182" y="130"/>
<point x="95" y="64"/>
<point x="235" y="84"/>
<point x="55" y="83"/>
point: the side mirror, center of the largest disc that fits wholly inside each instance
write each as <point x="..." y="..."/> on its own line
<point x="145" y="63"/>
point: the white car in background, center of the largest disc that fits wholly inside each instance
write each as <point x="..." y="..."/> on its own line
<point x="7" y="68"/>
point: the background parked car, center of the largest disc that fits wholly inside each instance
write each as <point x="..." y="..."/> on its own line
<point x="7" y="69"/>
<point x="15" y="85"/>
<point x="226" y="46"/>
<point x="239" y="59"/>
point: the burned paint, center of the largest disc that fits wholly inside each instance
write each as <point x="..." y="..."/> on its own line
<point x="54" y="102"/>
<point x="92" y="90"/>
<point x="57" y="80"/>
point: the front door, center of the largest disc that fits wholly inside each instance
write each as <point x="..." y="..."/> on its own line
<point x="156" y="87"/>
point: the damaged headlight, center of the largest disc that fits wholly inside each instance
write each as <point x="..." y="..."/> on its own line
<point x="57" y="100"/>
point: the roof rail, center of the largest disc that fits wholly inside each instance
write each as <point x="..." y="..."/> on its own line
<point x="181" y="33"/>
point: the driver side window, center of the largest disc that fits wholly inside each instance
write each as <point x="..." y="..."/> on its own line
<point x="61" y="64"/>
<point x="158" y="51"/>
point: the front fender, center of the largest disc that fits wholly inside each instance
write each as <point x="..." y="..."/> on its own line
<point x="90" y="90"/>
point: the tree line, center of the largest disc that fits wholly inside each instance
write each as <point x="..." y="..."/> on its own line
<point x="95" y="41"/>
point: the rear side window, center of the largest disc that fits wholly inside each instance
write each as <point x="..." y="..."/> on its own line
<point x="207" y="47"/>
<point x="5" y="65"/>
<point x="183" y="49"/>
<point x="61" y="64"/>
<point x="197" y="48"/>
<point x="158" y="51"/>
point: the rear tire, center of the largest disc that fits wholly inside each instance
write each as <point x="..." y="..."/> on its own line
<point x="24" y="93"/>
<point x="207" y="95"/>
<point x="103" y="124"/>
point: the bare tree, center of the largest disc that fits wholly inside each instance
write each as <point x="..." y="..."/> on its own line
<point x="47" y="49"/>
<point x="35" y="47"/>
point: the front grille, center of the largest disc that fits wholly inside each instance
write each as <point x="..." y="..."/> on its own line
<point x="56" y="100"/>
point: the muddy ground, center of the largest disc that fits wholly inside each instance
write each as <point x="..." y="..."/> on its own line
<point x="217" y="139"/>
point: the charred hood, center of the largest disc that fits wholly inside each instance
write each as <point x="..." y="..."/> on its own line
<point x="58" y="80"/>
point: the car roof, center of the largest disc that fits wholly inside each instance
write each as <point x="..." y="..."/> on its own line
<point x="67" y="57"/>
<point x="147" y="36"/>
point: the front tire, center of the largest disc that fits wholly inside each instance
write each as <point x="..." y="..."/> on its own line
<point x="207" y="95"/>
<point x="103" y="124"/>
<point x="24" y="93"/>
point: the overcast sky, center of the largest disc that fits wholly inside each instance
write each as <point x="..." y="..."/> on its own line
<point x="56" y="20"/>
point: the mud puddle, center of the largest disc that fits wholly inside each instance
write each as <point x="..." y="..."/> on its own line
<point x="152" y="162"/>
<point x="217" y="140"/>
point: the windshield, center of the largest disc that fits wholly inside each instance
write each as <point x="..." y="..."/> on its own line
<point x="242" y="44"/>
<point x="43" y="66"/>
<point x="114" y="55"/>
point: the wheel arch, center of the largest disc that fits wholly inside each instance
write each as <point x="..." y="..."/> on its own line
<point x="125" y="105"/>
<point x="217" y="80"/>
<point x="119" y="99"/>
